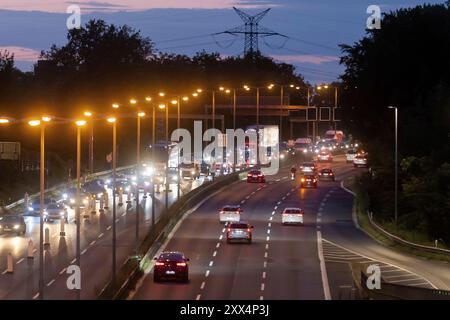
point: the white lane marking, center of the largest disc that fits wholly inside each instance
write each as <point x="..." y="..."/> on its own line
<point x="319" y="220"/>
<point x="319" y="227"/>
<point x="117" y="220"/>
<point x="34" y="251"/>
<point x="267" y="246"/>
<point x="270" y="218"/>
<point x="100" y="235"/>
<point x="268" y="231"/>
<point x="323" y="270"/>
<point x="214" y="253"/>
<point x="36" y="296"/>
<point x="268" y="238"/>
<point x="62" y="271"/>
<point x="207" y="273"/>
<point x="348" y="190"/>
<point x="283" y="198"/>
<point x="84" y="251"/>
<point x="203" y="285"/>
<point x="278" y="180"/>
<point x="20" y="261"/>
<point x="253" y="193"/>
<point x="92" y="243"/>
<point x="247" y="197"/>
<point x="73" y="261"/>
<point x="4" y="272"/>
<point x="265" y="254"/>
<point x="223" y="230"/>
<point x="262" y="286"/>
<point x="211" y="263"/>
<point x="124" y="214"/>
<point x="221" y="237"/>
<point x="50" y="283"/>
<point x="279" y="202"/>
<point x="269" y="224"/>
<point x="288" y="194"/>
<point x="264" y="275"/>
<point x="261" y="298"/>
<point x="198" y="297"/>
<point x="109" y="228"/>
<point x="265" y="264"/>
<point x="243" y="201"/>
<point x="273" y="212"/>
<point x="381" y="261"/>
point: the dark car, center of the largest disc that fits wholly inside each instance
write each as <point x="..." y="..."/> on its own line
<point x="35" y="206"/>
<point x="239" y="231"/>
<point x="326" y="174"/>
<point x="256" y="176"/>
<point x="171" y="266"/>
<point x="308" y="181"/>
<point x="95" y="187"/>
<point x="12" y="224"/>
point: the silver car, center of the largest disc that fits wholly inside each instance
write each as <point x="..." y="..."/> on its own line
<point x="55" y="211"/>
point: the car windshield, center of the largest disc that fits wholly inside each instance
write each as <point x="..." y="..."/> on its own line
<point x="172" y="256"/>
<point x="308" y="164"/>
<point x="10" y="219"/>
<point x="255" y="172"/>
<point x="326" y="170"/>
<point x="239" y="226"/>
<point x="53" y="206"/>
<point x="309" y="177"/>
<point x="351" y="152"/>
<point x="293" y="211"/>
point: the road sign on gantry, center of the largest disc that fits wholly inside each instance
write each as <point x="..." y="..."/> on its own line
<point x="9" y="150"/>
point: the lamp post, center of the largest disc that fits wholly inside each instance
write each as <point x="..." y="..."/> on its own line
<point x="138" y="164"/>
<point x="153" y="161"/>
<point x="41" y="123"/>
<point x="79" y="124"/>
<point x="113" y="121"/>
<point x="91" y="141"/>
<point x="396" y="163"/>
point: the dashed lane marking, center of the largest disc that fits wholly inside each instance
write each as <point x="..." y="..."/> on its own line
<point x="50" y="283"/>
<point x="20" y="261"/>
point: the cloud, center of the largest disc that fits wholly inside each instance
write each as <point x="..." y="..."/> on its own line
<point x="306" y="58"/>
<point x="22" y="54"/>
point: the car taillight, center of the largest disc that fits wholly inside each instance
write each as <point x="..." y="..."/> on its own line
<point x="259" y="175"/>
<point x="181" y="264"/>
<point x="159" y="263"/>
<point x="248" y="230"/>
<point x="303" y="179"/>
<point x="331" y="173"/>
<point x="249" y="175"/>
<point x="221" y="212"/>
<point x="229" y="229"/>
<point x="314" y="180"/>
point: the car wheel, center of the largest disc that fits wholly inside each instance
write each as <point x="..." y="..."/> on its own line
<point x="249" y="240"/>
<point x="228" y="240"/>
<point x="185" y="278"/>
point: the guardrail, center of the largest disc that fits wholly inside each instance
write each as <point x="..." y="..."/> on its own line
<point x="403" y="241"/>
<point x="132" y="269"/>
<point x="63" y="184"/>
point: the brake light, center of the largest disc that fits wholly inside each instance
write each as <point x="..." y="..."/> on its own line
<point x="331" y="173"/>
<point x="314" y="180"/>
<point x="221" y="212"/>
<point x="303" y="179"/>
<point x="181" y="264"/>
<point x="159" y="263"/>
<point x="259" y="175"/>
<point x="248" y="230"/>
<point x="229" y="229"/>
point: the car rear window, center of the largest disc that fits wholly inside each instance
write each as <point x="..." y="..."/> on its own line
<point x="238" y="226"/>
<point x="293" y="211"/>
<point x="326" y="170"/>
<point x="53" y="206"/>
<point x="171" y="256"/>
<point x="255" y="172"/>
<point x="230" y="209"/>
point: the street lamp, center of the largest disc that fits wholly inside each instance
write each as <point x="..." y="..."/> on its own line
<point x="79" y="124"/>
<point x="41" y="123"/>
<point x="140" y="114"/>
<point x="396" y="162"/>
<point x="88" y="114"/>
<point x="113" y="121"/>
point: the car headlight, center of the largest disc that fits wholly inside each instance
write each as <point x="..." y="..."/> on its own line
<point x="127" y="189"/>
<point x="356" y="145"/>
<point x="72" y="200"/>
<point x="133" y="178"/>
<point x="193" y="172"/>
<point x="30" y="209"/>
<point x="64" y="196"/>
<point x="45" y="213"/>
<point x="16" y="226"/>
<point x="146" y="183"/>
<point x="305" y="151"/>
<point x="161" y="179"/>
<point x="99" y="195"/>
<point x="85" y="201"/>
<point x="282" y="156"/>
<point x="62" y="213"/>
<point x="108" y="181"/>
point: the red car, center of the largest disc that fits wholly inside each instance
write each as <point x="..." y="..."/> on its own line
<point x="325" y="156"/>
<point x="171" y="266"/>
<point x="326" y="174"/>
<point x="256" y="176"/>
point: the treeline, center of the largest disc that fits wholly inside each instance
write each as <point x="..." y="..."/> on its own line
<point x="405" y="64"/>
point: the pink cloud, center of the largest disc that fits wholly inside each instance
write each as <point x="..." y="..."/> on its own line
<point x="22" y="54"/>
<point x="306" y="58"/>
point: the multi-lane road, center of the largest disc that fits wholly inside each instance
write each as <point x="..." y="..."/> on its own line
<point x="283" y="262"/>
<point x="96" y="249"/>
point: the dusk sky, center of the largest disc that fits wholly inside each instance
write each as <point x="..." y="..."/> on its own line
<point x="315" y="27"/>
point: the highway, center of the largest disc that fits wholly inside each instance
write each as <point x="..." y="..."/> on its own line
<point x="283" y="262"/>
<point x="96" y="247"/>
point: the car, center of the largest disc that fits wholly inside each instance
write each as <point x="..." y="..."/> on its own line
<point x="230" y="213"/>
<point x="171" y="266"/>
<point x="239" y="231"/>
<point x="189" y="171"/>
<point x="326" y="174"/>
<point x="70" y="195"/>
<point x="256" y="176"/>
<point x="292" y="216"/>
<point x="94" y="187"/>
<point x="308" y="167"/>
<point x="308" y="181"/>
<point x="325" y="155"/>
<point x="350" y="155"/>
<point x="10" y="223"/>
<point x="55" y="211"/>
<point x="360" y="161"/>
<point x="35" y="206"/>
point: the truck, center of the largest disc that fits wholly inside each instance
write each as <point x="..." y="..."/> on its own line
<point x="334" y="135"/>
<point x="302" y="145"/>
